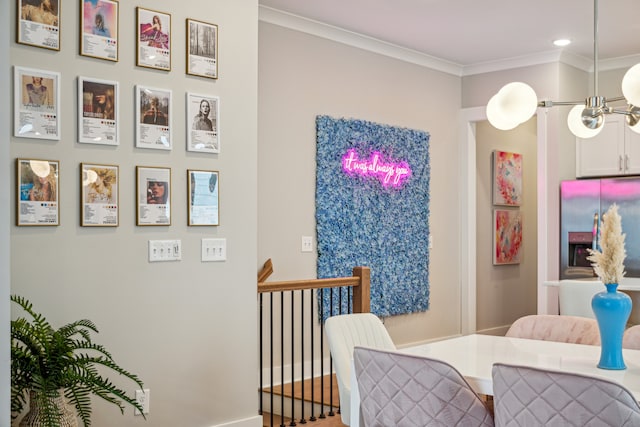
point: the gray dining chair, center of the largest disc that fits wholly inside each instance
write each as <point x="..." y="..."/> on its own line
<point x="404" y="390"/>
<point x="344" y="332"/>
<point x="527" y="396"/>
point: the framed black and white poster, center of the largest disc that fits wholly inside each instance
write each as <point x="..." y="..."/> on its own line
<point x="202" y="49"/>
<point x="99" y="195"/>
<point x="38" y="192"/>
<point x="153" y="118"/>
<point x="36" y="103"/>
<point x="38" y="23"/>
<point x="99" y="29"/>
<point x="203" y="120"/>
<point x="153" y="46"/>
<point x="153" y="189"/>
<point x="202" y="188"/>
<point x="98" y="108"/>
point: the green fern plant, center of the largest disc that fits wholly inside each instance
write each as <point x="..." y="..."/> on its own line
<point x="45" y="361"/>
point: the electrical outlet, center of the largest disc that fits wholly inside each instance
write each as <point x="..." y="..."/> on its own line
<point x="307" y="244"/>
<point x="143" y="398"/>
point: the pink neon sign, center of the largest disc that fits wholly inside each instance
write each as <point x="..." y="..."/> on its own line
<point x="391" y="173"/>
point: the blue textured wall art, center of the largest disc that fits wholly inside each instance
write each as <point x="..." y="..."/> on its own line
<point x="372" y="209"/>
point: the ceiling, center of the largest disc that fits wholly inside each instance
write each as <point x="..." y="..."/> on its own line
<point x="472" y="32"/>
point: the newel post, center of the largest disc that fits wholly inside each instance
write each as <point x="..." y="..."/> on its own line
<point x="361" y="293"/>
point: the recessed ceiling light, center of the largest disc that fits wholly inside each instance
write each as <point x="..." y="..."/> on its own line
<point x="562" y="42"/>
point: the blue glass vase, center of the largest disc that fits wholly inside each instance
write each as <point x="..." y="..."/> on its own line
<point x="612" y="310"/>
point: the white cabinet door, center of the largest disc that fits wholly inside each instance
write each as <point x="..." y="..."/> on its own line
<point x="602" y="155"/>
<point x="632" y="151"/>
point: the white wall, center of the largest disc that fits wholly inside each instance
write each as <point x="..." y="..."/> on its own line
<point x="176" y="324"/>
<point x="5" y="173"/>
<point x="302" y="76"/>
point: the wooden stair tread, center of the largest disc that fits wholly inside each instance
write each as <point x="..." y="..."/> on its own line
<point x="329" y="382"/>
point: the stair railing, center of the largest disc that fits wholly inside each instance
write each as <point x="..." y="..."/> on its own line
<point x="303" y="350"/>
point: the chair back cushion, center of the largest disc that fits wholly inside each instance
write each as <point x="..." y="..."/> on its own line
<point x="574" y="297"/>
<point x="549" y="327"/>
<point x="525" y="396"/>
<point x="344" y="332"/>
<point x="398" y="389"/>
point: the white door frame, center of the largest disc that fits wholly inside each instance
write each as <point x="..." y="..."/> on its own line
<point x="467" y="149"/>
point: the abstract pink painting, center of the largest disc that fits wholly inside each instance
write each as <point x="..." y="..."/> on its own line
<point x="507" y="236"/>
<point x="507" y="178"/>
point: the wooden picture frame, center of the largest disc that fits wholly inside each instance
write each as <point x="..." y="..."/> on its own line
<point x="36" y="103"/>
<point x="153" y="39"/>
<point x="153" y="190"/>
<point x="202" y="49"/>
<point x="98" y="111"/>
<point x="204" y="197"/>
<point x="99" y="26"/>
<point x="99" y="195"/>
<point x="203" y="123"/>
<point x="38" y="23"/>
<point x="153" y="118"/>
<point x="37" y="192"/>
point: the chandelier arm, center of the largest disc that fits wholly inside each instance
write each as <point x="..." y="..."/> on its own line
<point x="549" y="104"/>
<point x="624" y="112"/>
<point x="616" y="99"/>
<point x="595" y="47"/>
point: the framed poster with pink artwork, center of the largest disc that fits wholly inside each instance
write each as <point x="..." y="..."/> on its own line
<point x="507" y="178"/>
<point x="154" y="39"/>
<point x="507" y="236"/>
<point x="99" y="29"/>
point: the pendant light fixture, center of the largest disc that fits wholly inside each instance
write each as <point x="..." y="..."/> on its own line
<point x="516" y="102"/>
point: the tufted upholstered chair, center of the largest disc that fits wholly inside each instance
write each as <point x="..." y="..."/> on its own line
<point x="344" y="332"/>
<point x="404" y="390"/>
<point x="549" y="327"/>
<point x="526" y="396"/>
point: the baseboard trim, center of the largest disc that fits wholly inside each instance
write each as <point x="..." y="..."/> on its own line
<point x="246" y="422"/>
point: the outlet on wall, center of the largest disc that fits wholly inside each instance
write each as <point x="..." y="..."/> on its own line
<point x="307" y="244"/>
<point x="143" y="398"/>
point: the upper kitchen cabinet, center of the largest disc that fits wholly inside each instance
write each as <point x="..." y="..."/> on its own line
<point x="615" y="151"/>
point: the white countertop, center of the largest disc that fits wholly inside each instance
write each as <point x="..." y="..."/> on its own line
<point x="628" y="283"/>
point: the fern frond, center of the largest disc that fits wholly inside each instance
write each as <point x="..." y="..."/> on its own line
<point x="46" y="360"/>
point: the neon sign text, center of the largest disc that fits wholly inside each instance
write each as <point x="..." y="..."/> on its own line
<point x="392" y="173"/>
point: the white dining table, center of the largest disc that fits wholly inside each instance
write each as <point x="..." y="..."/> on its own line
<point x="474" y="355"/>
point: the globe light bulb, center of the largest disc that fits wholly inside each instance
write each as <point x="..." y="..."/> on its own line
<point x="518" y="100"/>
<point x="631" y="85"/>
<point x="497" y="116"/>
<point x="577" y="127"/>
<point x="514" y="103"/>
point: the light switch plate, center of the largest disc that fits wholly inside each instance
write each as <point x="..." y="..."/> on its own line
<point x="165" y="250"/>
<point x="214" y="250"/>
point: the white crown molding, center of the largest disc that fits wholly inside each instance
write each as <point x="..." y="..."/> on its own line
<point x="319" y="29"/>
<point x="547" y="57"/>
<point x="350" y="38"/>
<point x="617" y="63"/>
